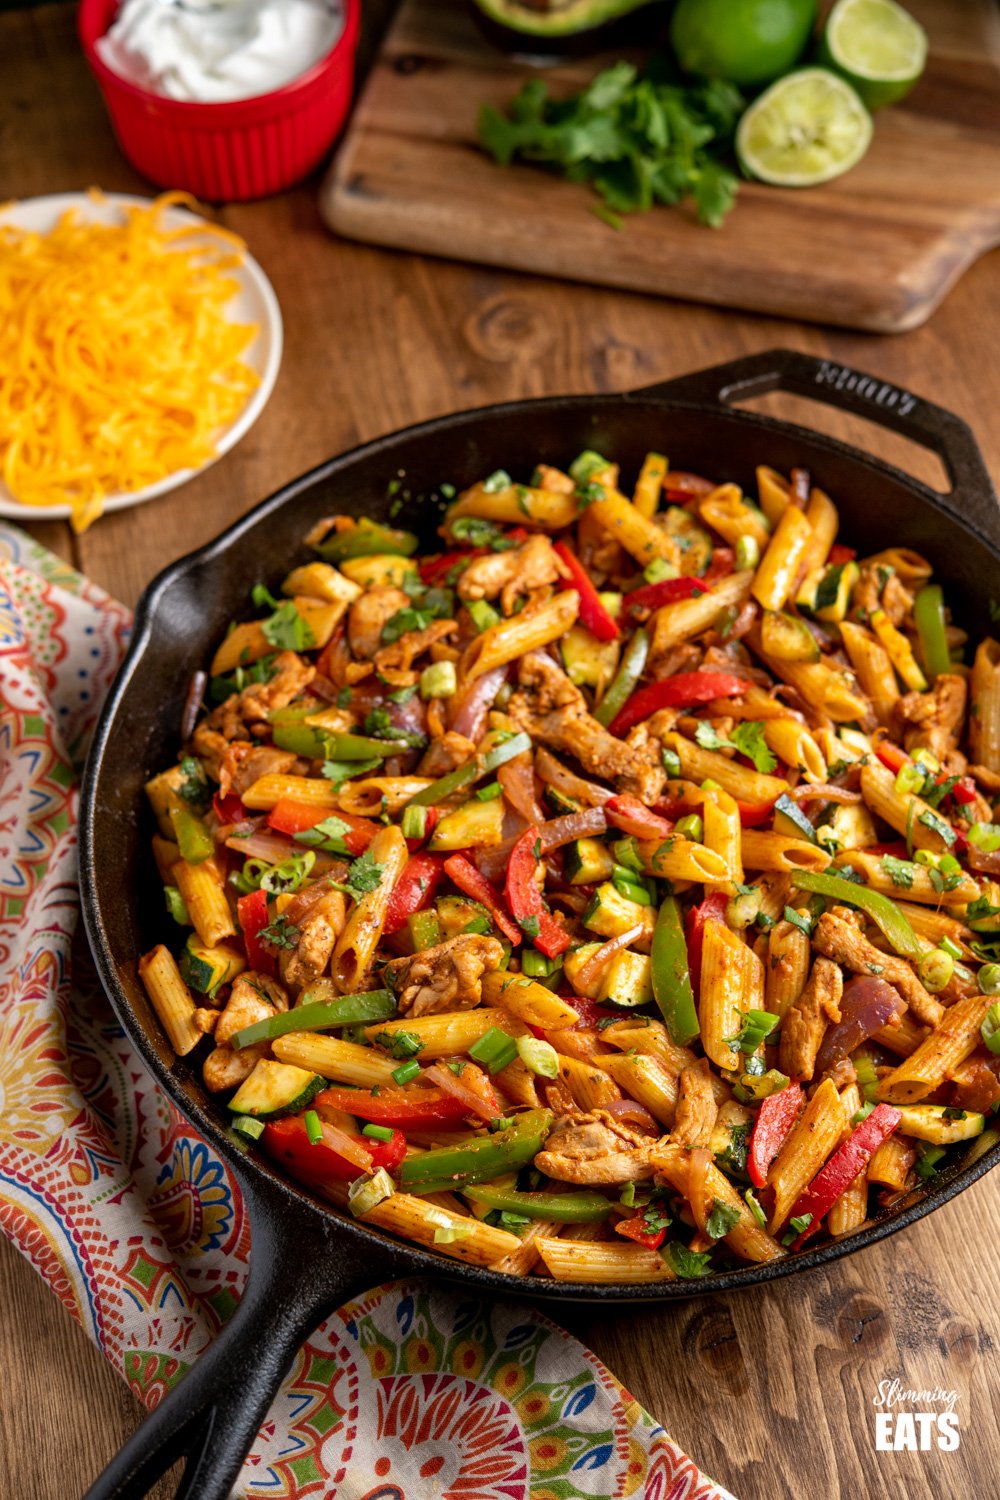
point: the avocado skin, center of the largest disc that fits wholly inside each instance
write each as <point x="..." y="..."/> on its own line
<point x="525" y="22"/>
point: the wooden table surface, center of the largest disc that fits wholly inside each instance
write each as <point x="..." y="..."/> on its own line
<point x="772" y="1389"/>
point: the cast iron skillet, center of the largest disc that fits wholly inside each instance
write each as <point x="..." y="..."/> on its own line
<point x="308" y="1258"/>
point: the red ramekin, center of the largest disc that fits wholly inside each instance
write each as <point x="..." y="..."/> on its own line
<point x="247" y="148"/>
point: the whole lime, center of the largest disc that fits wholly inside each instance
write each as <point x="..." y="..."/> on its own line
<point x="747" y="42"/>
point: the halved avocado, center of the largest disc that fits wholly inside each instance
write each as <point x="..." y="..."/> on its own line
<point x="556" y="18"/>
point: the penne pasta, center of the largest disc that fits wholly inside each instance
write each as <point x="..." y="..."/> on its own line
<point x="725" y="993"/>
<point x="590" y="1086"/>
<point x="726" y="511"/>
<point x="528" y="1001"/>
<point x="774" y="493"/>
<point x="576" y="1260"/>
<point x="204" y="894"/>
<point x="341" y="1062"/>
<point x="516" y="637"/>
<point x="649" y="485"/>
<point x="645" y="1079"/>
<point x="915" y="819"/>
<point x="984" y="710"/>
<point x="891" y="1164"/>
<point x="783" y="561"/>
<point x="898" y="650"/>
<point x="914" y="882"/>
<point x="746" y="1237"/>
<point x="723" y="837"/>
<point x="851" y="1209"/>
<point x="170" y="998"/>
<point x="677" y="858"/>
<point x="632" y="530"/>
<point x="956" y="1035"/>
<point x="451" y="1032"/>
<point x="519" y="505"/>
<point x="873" y="669"/>
<point x="793" y="743"/>
<point x="778" y="852"/>
<point x="355" y="950"/>
<point x="806" y="1148"/>
<point x="676" y="623"/>
<point x="740" y="781"/>
<point x="821" y="513"/>
<point x="246" y="644"/>
<point x="787" y="967"/>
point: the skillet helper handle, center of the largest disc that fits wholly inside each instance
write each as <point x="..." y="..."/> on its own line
<point x="298" y="1274"/>
<point x="972" y="498"/>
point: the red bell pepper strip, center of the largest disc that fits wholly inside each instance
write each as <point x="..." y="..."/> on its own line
<point x="889" y="754"/>
<point x="686" y="485"/>
<point x="228" y="809"/>
<point x="318" y="1163"/>
<point x="775" y="1118"/>
<point x="680" y="691"/>
<point x="844" y="1165"/>
<point x="721" y="565"/>
<point x="656" y="595"/>
<point x="251" y="911"/>
<point x="964" y="792"/>
<point x="632" y="816"/>
<point x="433" y="569"/>
<point x="524" y="899"/>
<point x="413" y="891"/>
<point x="839" y="554"/>
<point x="463" y="873"/>
<point x="411" y="1109"/>
<point x="712" y="909"/>
<point x="289" y="816"/>
<point x="753" y="814"/>
<point x="592" y="612"/>
<point x="635" y="1229"/>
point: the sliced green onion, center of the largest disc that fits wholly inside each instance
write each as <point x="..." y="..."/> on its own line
<point x="989" y="1030"/>
<point x="742" y="909"/>
<point x="926" y="858"/>
<point x="750" y="1199"/>
<point x="755" y="1025"/>
<point x="539" y="1057"/>
<point x="176" y="906"/>
<point x="949" y="865"/>
<point x="630" y="670"/>
<point x="989" y="979"/>
<point x="671" y="762"/>
<point x="691" y="827"/>
<point x="414" y="824"/>
<point x="248" y="1126"/>
<point x="314" y="1128"/>
<point x="536" y="966"/>
<point x="349" y="1010"/>
<point x="659" y="571"/>
<point x="490" y="792"/>
<point x="377" y="1132"/>
<point x="484" y="616"/>
<point x="439" y="680"/>
<point x="368" y="1191"/>
<point x="985" y="836"/>
<point x="756" y="1086"/>
<point x="927" y="758"/>
<point x="747" y="554"/>
<point x="935" y="970"/>
<point x="494" y="1049"/>
<point x="909" y="779"/>
<point x="406" y="1071"/>
<point x="883" y="912"/>
<point x="626" y="853"/>
<point x="629" y="885"/>
<point x="863" y="1112"/>
<point x="586" y="465"/>
<point x="949" y="946"/>
<point x="449" y="1233"/>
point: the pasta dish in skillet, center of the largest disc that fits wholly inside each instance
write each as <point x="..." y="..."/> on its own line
<point x="612" y="893"/>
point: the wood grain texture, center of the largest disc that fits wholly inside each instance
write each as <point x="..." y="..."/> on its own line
<point x="772" y="1390"/>
<point x="877" y="249"/>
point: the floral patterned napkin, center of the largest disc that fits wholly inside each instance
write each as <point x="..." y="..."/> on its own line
<point x="138" y="1228"/>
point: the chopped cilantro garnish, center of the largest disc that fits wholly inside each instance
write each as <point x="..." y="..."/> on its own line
<point x="721" y="1220"/>
<point x="287" y="630"/>
<point x="747" y="737"/>
<point x="899" y="871"/>
<point x="281" y="933"/>
<point x="689" y="1265"/>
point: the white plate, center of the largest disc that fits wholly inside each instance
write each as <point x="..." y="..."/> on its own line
<point x="255" y="302"/>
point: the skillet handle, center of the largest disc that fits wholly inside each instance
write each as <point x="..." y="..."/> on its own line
<point x="972" y="498"/>
<point x="299" y="1272"/>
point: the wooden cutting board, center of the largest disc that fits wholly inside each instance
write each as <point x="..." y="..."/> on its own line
<point x="876" y="250"/>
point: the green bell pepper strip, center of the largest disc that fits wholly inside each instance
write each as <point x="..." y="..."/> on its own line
<point x="349" y="1010"/>
<point x="367" y="540"/>
<point x="193" y="839"/>
<point x="561" y="1208"/>
<point x="672" y="976"/>
<point x="928" y="613"/>
<point x="883" y="912"/>
<point x="471" y="770"/>
<point x="478" y="1160"/>
<point x="625" y="679"/>
<point x="323" y="744"/>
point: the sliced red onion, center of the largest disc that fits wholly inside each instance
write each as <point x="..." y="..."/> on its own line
<point x="474" y="703"/>
<point x="517" y="778"/>
<point x="867" y="1005"/>
<point x="824" y="792"/>
<point x="554" y="773"/>
<point x="630" y="1112"/>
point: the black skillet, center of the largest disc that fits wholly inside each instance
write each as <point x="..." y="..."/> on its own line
<point x="308" y="1258"/>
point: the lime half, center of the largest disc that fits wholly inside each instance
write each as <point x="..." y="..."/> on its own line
<point x="807" y="128"/>
<point x="877" y="46"/>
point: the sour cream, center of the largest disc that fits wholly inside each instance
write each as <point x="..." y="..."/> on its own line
<point x="211" y="51"/>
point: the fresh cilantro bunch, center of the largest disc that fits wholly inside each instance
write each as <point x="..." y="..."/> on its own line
<point x="637" y="139"/>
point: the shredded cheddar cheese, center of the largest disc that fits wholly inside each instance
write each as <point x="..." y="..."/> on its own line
<point x="118" y="364"/>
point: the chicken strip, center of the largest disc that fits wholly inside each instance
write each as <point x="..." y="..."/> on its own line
<point x="595" y="1148"/>
<point x="842" y="942"/>
<point x="933" y="721"/>
<point x="446" y="977"/>
<point x="290" y="676"/>
<point x="554" y="713"/>
<point x="697" y="1110"/>
<point x="806" y="1021"/>
<point x="394" y="663"/>
<point x="243" y="764"/>
<point x="513" y="575"/>
<point x="318" y="936"/>
<point x="368" y="617"/>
